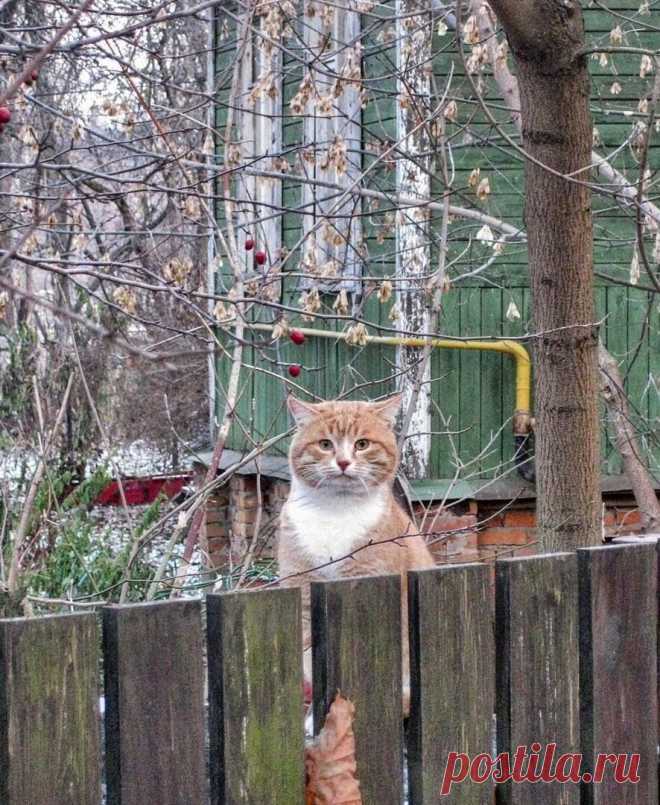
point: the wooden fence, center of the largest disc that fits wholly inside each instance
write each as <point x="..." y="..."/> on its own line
<point x="565" y="651"/>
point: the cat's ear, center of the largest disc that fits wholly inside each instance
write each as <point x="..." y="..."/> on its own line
<point x="388" y="409"/>
<point x="301" y="411"/>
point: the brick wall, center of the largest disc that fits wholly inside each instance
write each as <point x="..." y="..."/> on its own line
<point x="465" y="532"/>
<point x="235" y="512"/>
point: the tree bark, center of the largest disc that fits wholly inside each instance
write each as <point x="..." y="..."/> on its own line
<point x="546" y="37"/>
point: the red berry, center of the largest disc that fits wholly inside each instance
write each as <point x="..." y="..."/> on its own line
<point x="297" y="337"/>
<point x="5" y="114"/>
<point x="34" y="75"/>
<point x="260" y="257"/>
<point x="294" y="370"/>
<point x="249" y="244"/>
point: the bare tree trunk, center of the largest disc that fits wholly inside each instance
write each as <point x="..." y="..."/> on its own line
<point x="623" y="433"/>
<point x="545" y="38"/>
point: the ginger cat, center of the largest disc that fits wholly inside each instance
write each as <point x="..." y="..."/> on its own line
<point x="343" y="460"/>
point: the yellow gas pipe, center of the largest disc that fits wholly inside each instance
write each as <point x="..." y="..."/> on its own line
<point x="522" y="416"/>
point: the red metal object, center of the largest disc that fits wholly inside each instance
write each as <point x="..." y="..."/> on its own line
<point x="141" y="491"/>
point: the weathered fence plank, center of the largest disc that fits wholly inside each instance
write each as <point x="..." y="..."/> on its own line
<point x="49" y="721"/>
<point x="618" y="668"/>
<point x="537" y="669"/>
<point x="154" y="688"/>
<point x="356" y="649"/>
<point x="452" y="658"/>
<point x="255" y="698"/>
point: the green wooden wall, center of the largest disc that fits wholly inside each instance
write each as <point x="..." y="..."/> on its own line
<point x="473" y="393"/>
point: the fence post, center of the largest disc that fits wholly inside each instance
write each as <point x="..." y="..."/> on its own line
<point x="536" y="634"/>
<point x="452" y="658"/>
<point x="356" y="649"/>
<point x="256" y="698"/>
<point x="618" y="668"/>
<point x="154" y="693"/>
<point x="49" y="721"/>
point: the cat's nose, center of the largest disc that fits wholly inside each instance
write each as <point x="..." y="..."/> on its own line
<point x="343" y="464"/>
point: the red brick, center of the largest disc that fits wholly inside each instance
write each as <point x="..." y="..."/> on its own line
<point x="629" y="517"/>
<point x="459" y="543"/>
<point x="446" y="522"/>
<point x="242" y="531"/>
<point x="520" y="518"/>
<point x="214" y="519"/>
<point x="459" y="558"/>
<point x="243" y="483"/>
<point x="246" y="515"/>
<point x="216" y="530"/>
<point x="218" y="499"/>
<point x="244" y="500"/>
<point x="506" y="536"/>
<point x="279" y="490"/>
<point x="492" y="520"/>
<point x="527" y="550"/>
<point x="216" y="544"/>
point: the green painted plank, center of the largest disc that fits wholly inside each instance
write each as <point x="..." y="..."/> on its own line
<point x="512" y="327"/>
<point x="637" y="368"/>
<point x="600" y="301"/>
<point x="617" y="344"/>
<point x="470" y="381"/>
<point x="654" y="386"/>
<point x="269" y="386"/>
<point x="492" y="370"/>
<point x="445" y="368"/>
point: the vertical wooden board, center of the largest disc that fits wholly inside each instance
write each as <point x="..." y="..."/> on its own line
<point x="270" y="385"/>
<point x="255" y="698"/>
<point x="536" y="636"/>
<point x="600" y="299"/>
<point x="470" y="382"/>
<point x="154" y="704"/>
<point x="445" y="370"/>
<point x="452" y="658"/>
<point x="236" y="438"/>
<point x="654" y="383"/>
<point x="277" y="391"/>
<point x="512" y="327"/>
<point x="49" y="719"/>
<point x="638" y="351"/>
<point x="367" y="362"/>
<point x="309" y="356"/>
<point x="333" y="366"/>
<point x="492" y="415"/>
<point x="356" y="649"/>
<point x="382" y="358"/>
<point x="617" y="344"/>
<point x="618" y="668"/>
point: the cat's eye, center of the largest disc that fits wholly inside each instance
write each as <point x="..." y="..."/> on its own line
<point x="362" y="444"/>
<point x="325" y="444"/>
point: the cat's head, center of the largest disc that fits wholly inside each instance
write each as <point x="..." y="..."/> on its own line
<point x="345" y="447"/>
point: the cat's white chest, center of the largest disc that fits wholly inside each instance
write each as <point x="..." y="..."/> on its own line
<point x="329" y="528"/>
